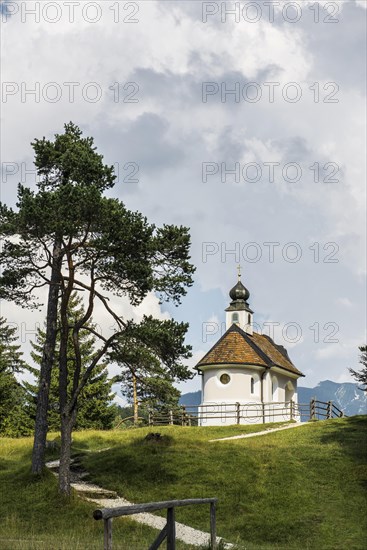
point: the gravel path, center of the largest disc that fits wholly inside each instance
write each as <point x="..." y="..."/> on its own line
<point x="265" y="432"/>
<point x="109" y="499"/>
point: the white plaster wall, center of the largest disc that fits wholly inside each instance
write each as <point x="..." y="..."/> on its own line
<point x="219" y="399"/>
<point x="225" y="414"/>
<point x="282" y="380"/>
<point x="237" y="390"/>
<point x="242" y="320"/>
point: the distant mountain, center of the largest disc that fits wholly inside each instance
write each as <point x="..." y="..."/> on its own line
<point x="346" y="396"/>
<point x="193" y="398"/>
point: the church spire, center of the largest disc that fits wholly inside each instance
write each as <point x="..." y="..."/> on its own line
<point x="239" y="292"/>
<point x="239" y="311"/>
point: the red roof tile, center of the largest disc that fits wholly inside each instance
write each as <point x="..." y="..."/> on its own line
<point x="238" y="347"/>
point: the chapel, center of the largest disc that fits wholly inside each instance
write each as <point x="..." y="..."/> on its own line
<point x="246" y="376"/>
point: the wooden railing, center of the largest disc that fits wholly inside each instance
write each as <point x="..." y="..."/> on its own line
<point x="169" y="530"/>
<point x="322" y="409"/>
<point x="237" y="413"/>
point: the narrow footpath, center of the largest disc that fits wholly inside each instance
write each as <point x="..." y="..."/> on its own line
<point x="104" y="498"/>
<point x="264" y="432"/>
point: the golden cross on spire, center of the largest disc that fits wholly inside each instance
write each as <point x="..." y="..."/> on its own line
<point x="239" y="272"/>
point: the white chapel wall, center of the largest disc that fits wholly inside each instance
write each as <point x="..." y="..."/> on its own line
<point x="238" y="389"/>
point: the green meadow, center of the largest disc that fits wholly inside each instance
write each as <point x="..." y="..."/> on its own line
<point x="303" y="488"/>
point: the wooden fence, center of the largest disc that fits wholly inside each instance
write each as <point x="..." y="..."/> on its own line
<point x="321" y="409"/>
<point x="245" y="413"/>
<point x="169" y="530"/>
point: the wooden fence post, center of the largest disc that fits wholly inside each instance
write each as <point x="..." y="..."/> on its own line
<point x="108" y="534"/>
<point x="312" y="409"/>
<point x="291" y="411"/>
<point x="171" y="529"/>
<point x="170" y="417"/>
<point x="329" y="410"/>
<point x="150" y="419"/>
<point x="238" y="411"/>
<point x="213" y="530"/>
<point x="263" y="411"/>
<point x="183" y="418"/>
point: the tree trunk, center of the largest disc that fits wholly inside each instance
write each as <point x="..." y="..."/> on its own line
<point x="67" y="424"/>
<point x="40" y="431"/>
<point x="135" y="400"/>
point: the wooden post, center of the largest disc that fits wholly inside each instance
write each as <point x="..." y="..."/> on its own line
<point x="213" y="534"/>
<point x="238" y="411"/>
<point x="183" y="419"/>
<point x="263" y="411"/>
<point x="312" y="409"/>
<point x="108" y="534"/>
<point x="171" y="417"/>
<point x="150" y="419"/>
<point x="171" y="529"/>
<point x="135" y="400"/>
<point x="292" y="409"/>
<point x="329" y="410"/>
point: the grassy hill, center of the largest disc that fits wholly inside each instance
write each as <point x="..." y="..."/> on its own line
<point x="301" y="488"/>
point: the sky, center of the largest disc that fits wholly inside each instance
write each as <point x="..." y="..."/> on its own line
<point x="244" y="121"/>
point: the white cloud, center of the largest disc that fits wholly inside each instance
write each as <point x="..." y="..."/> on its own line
<point x="345" y="302"/>
<point x="170" y="132"/>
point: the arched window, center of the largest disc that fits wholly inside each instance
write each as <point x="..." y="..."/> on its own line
<point x="248" y="319"/>
<point x="289" y="391"/>
<point x="235" y="318"/>
<point x="252" y="385"/>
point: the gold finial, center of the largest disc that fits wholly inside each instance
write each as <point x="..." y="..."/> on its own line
<point x="239" y="272"/>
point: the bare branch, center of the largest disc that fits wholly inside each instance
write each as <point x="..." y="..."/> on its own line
<point x="88" y="371"/>
<point x="103" y="299"/>
<point x="92" y="331"/>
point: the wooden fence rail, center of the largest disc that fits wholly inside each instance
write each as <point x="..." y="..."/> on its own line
<point x="324" y="410"/>
<point x="191" y="415"/>
<point x="169" y="530"/>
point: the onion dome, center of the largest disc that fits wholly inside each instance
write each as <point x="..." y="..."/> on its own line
<point x="239" y="292"/>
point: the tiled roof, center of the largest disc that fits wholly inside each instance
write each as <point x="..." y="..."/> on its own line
<point x="238" y="347"/>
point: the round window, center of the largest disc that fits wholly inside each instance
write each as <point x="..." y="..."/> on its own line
<point x="225" y="378"/>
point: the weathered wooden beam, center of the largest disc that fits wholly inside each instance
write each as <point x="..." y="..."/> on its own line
<point x="108" y="534"/>
<point x="213" y="530"/>
<point x="105" y="513"/>
<point x="158" y="541"/>
<point x="171" y="529"/>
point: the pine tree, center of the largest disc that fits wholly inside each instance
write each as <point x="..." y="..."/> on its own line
<point x="146" y="388"/>
<point x="10" y="356"/>
<point x="67" y="236"/>
<point x="149" y="356"/>
<point x="94" y="408"/>
<point x="13" y="420"/>
<point x="361" y="375"/>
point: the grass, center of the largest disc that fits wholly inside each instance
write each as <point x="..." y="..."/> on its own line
<point x="34" y="517"/>
<point x="295" y="489"/>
